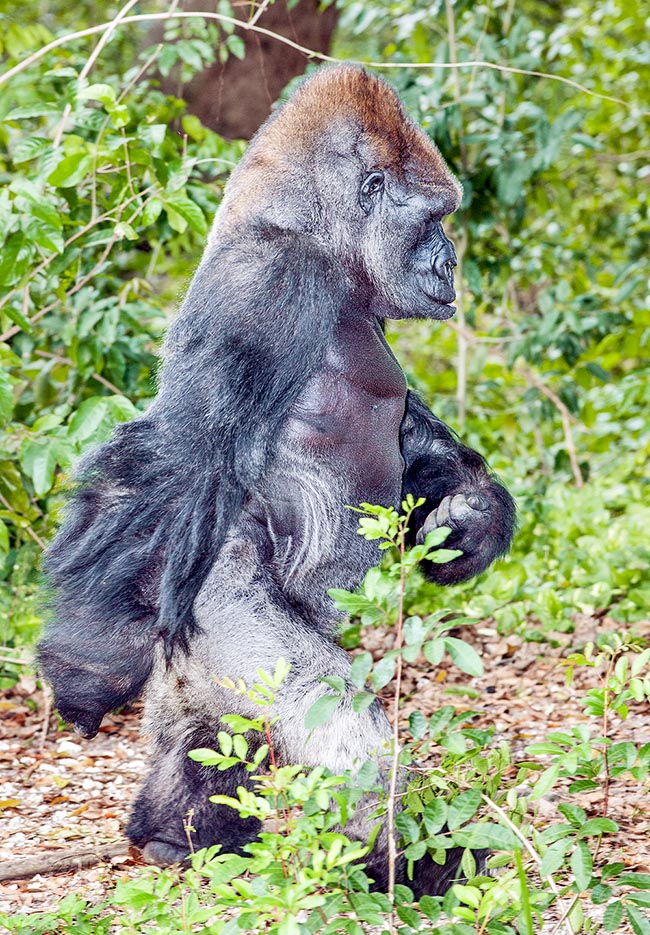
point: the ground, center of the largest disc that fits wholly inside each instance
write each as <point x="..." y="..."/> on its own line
<point x="61" y="793"/>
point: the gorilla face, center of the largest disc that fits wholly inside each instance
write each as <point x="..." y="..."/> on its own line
<point x="408" y="257"/>
<point x="343" y="163"/>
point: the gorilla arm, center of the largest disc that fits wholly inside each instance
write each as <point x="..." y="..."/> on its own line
<point x="155" y="503"/>
<point x="460" y="493"/>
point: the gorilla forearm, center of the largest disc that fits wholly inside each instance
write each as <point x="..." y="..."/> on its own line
<point x="460" y="492"/>
<point x="92" y="673"/>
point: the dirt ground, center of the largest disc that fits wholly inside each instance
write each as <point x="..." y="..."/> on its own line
<point x="58" y="792"/>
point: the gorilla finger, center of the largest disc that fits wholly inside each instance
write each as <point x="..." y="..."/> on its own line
<point x="460" y="510"/>
<point x="478" y="502"/>
<point x="429" y="524"/>
<point x="443" y="513"/>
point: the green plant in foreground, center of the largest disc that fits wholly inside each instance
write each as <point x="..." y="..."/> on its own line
<point x="304" y="875"/>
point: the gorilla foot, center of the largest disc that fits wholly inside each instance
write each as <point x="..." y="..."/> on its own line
<point x="163" y="853"/>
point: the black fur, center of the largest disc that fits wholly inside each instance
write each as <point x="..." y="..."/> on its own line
<point x="202" y="539"/>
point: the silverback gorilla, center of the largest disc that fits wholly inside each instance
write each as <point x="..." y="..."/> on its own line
<point x="202" y="539"/>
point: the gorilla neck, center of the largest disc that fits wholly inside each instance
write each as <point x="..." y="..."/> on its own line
<point x="349" y="414"/>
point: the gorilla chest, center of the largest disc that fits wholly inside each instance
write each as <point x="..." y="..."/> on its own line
<point x="349" y="414"/>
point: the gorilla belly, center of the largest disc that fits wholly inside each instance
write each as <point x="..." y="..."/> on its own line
<point x="348" y="417"/>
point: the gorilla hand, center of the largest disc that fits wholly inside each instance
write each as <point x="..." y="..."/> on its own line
<point x="480" y="523"/>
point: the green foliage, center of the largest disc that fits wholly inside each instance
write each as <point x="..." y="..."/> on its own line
<point x="304" y="875"/>
<point x="106" y="190"/>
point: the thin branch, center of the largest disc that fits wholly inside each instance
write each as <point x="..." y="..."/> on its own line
<point x="95" y="376"/>
<point x="28" y="529"/>
<point x="83" y="74"/>
<point x="62" y="862"/>
<point x="16" y="662"/>
<point x="321" y="56"/>
<point x="260" y="10"/>
<point x="565" y="415"/>
<point x="531" y="851"/>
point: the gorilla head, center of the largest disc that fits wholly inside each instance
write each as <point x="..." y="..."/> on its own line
<point x="341" y="161"/>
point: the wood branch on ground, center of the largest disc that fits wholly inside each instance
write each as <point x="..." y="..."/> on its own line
<point x="63" y="861"/>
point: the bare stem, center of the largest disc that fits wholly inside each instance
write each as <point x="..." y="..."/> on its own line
<point x="394" y="769"/>
<point x="565" y="415"/>
<point x="321" y="56"/>
<point x="453" y="55"/>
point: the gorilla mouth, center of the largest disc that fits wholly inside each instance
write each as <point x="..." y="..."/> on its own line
<point x="440" y="294"/>
<point x="442" y="311"/>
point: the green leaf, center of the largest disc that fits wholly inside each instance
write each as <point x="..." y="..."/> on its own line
<point x="6" y="397"/>
<point x="408" y="916"/>
<point x="435" y="815"/>
<point x="546" y="781"/>
<point x="582" y="866"/>
<point x="41" y="109"/>
<point x="598" y="826"/>
<point x="430" y="906"/>
<point x="39" y="462"/>
<point x="463" y="807"/>
<point x="640" y="880"/>
<point x="97" y="92"/>
<point x="71" y="170"/>
<point x="4" y="538"/>
<point x="151" y="211"/>
<point x="87" y="419"/>
<point x="553" y="858"/>
<point x="440" y="719"/>
<point x="613" y="916"/>
<point x="321" y="711"/>
<point x="360" y="668"/>
<point x="188" y="210"/>
<point x="638" y="920"/>
<point x="434" y="650"/>
<point x="464" y="656"/>
<point x="361" y="701"/>
<point x="30" y="148"/>
<point x="236" y="46"/>
<point x="407" y="827"/>
<point x="383" y="672"/>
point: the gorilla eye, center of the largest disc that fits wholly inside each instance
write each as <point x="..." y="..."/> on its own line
<point x="371" y="186"/>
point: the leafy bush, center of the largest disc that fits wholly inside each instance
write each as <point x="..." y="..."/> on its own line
<point x="107" y="190"/>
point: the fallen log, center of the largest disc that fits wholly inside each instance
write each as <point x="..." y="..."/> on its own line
<point x="62" y="861"/>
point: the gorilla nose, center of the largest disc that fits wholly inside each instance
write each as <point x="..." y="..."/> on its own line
<point x="443" y="264"/>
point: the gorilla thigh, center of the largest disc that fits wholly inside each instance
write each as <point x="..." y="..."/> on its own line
<point x="245" y="624"/>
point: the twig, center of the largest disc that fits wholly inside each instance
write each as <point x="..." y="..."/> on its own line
<point x="565" y="415"/>
<point x="95" y="376"/>
<point x="263" y="5"/>
<point x="16" y="662"/>
<point x="392" y="791"/>
<point x="28" y="529"/>
<point x="83" y="74"/>
<point x="321" y="56"/>
<point x="532" y="852"/>
<point x="63" y="861"/>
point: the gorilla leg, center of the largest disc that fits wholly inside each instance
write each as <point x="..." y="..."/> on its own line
<point x="245" y="624"/>
<point x="173" y="807"/>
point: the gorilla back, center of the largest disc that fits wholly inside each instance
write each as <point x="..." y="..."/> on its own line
<point x="203" y="537"/>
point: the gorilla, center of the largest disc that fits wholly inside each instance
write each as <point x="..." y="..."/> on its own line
<point x="202" y="539"/>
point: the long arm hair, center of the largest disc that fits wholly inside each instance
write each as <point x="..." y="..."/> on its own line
<point x="153" y="505"/>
